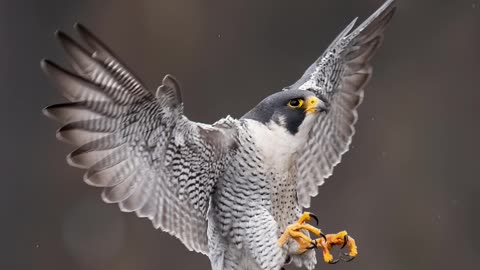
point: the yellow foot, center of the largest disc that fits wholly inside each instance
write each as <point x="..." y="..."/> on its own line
<point x="340" y="239"/>
<point x="294" y="231"/>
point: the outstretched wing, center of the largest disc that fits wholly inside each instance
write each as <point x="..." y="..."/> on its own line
<point x="338" y="77"/>
<point x="138" y="146"/>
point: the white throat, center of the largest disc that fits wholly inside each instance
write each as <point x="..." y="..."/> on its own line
<point x="277" y="144"/>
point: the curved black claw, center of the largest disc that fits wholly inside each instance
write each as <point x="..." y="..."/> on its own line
<point x="346" y="257"/>
<point x="333" y="261"/>
<point x="324" y="237"/>
<point x="288" y="260"/>
<point x="314" y="244"/>
<point x="345" y="241"/>
<point x="314" y="217"/>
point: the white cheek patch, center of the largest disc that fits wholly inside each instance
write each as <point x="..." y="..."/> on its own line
<point x="276" y="143"/>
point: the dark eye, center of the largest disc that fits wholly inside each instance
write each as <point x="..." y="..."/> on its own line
<point x="295" y="103"/>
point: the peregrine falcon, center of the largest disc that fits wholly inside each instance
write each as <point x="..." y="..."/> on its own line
<point x="233" y="190"/>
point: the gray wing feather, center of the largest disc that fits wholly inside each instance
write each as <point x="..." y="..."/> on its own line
<point x="138" y="146"/>
<point x="338" y="77"/>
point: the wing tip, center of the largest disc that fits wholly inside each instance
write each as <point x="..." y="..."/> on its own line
<point x="92" y="41"/>
<point x="349" y="26"/>
<point x="59" y="34"/>
<point x="71" y="161"/>
<point x="50" y="68"/>
<point x="49" y="112"/>
<point x="380" y="18"/>
<point x="45" y="65"/>
<point x="60" y="136"/>
<point x="384" y="12"/>
<point x="387" y="10"/>
<point x="77" y="26"/>
<point x="84" y="33"/>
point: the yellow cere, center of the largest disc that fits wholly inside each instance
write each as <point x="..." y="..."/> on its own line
<point x="311" y="104"/>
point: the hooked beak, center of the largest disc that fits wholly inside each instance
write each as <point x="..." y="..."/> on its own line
<point x="314" y="104"/>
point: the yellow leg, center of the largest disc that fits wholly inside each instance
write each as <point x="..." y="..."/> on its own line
<point x="294" y="231"/>
<point x="325" y="242"/>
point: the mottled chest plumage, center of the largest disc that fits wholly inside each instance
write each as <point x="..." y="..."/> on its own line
<point x="261" y="176"/>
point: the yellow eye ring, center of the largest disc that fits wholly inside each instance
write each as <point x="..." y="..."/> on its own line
<point x="295" y="103"/>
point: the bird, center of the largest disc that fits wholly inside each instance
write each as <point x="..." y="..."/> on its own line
<point x="234" y="190"/>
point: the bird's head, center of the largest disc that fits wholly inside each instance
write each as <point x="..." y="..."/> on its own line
<point x="293" y="109"/>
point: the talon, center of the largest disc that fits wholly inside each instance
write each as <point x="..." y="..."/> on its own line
<point x="348" y="257"/>
<point x="333" y="261"/>
<point x="340" y="239"/>
<point x="345" y="241"/>
<point x="288" y="260"/>
<point x="299" y="232"/>
<point x="314" y="217"/>
<point x="324" y="237"/>
<point x="314" y="244"/>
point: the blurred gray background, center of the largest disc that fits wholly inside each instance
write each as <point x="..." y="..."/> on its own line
<point x="407" y="190"/>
